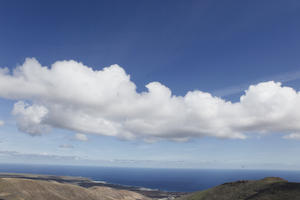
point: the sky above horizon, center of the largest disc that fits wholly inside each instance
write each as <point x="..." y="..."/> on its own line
<point x="191" y="84"/>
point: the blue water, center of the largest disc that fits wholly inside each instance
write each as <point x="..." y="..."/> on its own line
<point x="184" y="180"/>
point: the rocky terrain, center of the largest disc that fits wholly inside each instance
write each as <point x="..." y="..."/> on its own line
<point x="270" y="188"/>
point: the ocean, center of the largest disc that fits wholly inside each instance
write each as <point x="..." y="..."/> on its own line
<point x="181" y="180"/>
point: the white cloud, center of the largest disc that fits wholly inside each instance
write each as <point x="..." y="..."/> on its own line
<point x="29" y="118"/>
<point x="17" y="157"/>
<point x="72" y="96"/>
<point x="66" y="146"/>
<point x="81" y="137"/>
<point x="283" y="78"/>
<point x="292" y="136"/>
<point x="1" y="123"/>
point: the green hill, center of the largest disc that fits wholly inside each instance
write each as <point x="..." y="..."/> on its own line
<point x="270" y="188"/>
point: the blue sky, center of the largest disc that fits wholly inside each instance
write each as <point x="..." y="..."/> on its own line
<point x="212" y="46"/>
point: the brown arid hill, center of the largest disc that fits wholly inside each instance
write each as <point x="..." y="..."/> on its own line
<point x="98" y="188"/>
<point x="271" y="188"/>
<point x="26" y="189"/>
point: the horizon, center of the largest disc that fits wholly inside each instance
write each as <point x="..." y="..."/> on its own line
<point x="199" y="85"/>
<point x="148" y="168"/>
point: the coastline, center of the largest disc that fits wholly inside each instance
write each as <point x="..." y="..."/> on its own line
<point x="87" y="183"/>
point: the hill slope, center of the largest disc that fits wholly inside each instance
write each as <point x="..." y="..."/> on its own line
<point x="25" y="189"/>
<point x="266" y="189"/>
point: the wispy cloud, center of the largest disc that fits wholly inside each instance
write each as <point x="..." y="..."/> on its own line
<point x="46" y="158"/>
<point x="236" y="89"/>
<point x="81" y="137"/>
<point x="35" y="156"/>
<point x="292" y="136"/>
<point x="66" y="146"/>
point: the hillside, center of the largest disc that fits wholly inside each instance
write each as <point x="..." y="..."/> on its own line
<point x="26" y="189"/>
<point x="43" y="187"/>
<point x="270" y="188"/>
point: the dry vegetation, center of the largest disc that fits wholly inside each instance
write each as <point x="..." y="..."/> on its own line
<point x="271" y="188"/>
<point x="25" y="189"/>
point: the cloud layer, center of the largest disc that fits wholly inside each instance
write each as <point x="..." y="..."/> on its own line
<point x="70" y="95"/>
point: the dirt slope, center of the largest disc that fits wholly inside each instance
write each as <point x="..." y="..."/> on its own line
<point x="25" y="189"/>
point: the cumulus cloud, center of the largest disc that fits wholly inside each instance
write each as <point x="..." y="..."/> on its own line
<point x="29" y="118"/>
<point x="70" y="95"/>
<point x="283" y="78"/>
<point x="81" y="137"/>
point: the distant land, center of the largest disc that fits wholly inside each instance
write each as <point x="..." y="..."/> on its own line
<point x="179" y="180"/>
<point x="270" y="188"/>
<point x="15" y="186"/>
